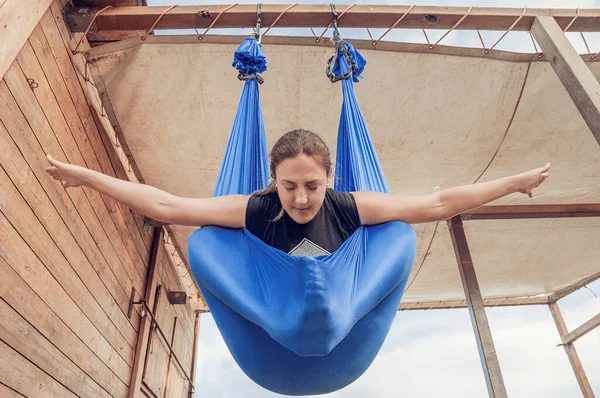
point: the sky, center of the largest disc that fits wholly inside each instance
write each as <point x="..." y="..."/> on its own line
<point x="434" y="353"/>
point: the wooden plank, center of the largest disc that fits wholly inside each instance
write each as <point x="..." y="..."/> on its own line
<point x="116" y="155"/>
<point x="104" y="207"/>
<point x="20" y="374"/>
<point x="156" y="362"/>
<point x="45" y="320"/>
<point x="489" y="302"/>
<point x="483" y="334"/>
<point x="30" y="206"/>
<point x="582" y="283"/>
<point x="172" y="282"/>
<point x="194" y="350"/>
<point x="34" y="201"/>
<point x="166" y="383"/>
<point x="155" y="370"/>
<point x="112" y="116"/>
<point x="29" y="146"/>
<point x="183" y="346"/>
<point x="111" y="35"/>
<point x="63" y="61"/>
<point x="8" y="392"/>
<point x="582" y="330"/>
<point x="574" y="74"/>
<point x="23" y="137"/>
<point x="507" y="212"/>
<point x="144" y="330"/>
<point x="17" y="20"/>
<point x="22" y="218"/>
<point x="319" y="15"/>
<point x="25" y="262"/>
<point x="89" y="201"/>
<point x="102" y="3"/>
<point x="582" y="379"/>
<point x="26" y="340"/>
<point x="36" y="139"/>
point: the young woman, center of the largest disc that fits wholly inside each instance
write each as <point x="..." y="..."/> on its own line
<point x="298" y="212"/>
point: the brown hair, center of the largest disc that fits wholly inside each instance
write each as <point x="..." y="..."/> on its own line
<point x="292" y="144"/>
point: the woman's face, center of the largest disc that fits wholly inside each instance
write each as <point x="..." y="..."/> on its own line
<point x="301" y="185"/>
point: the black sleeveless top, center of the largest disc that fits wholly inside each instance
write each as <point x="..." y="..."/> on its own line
<point x="334" y="223"/>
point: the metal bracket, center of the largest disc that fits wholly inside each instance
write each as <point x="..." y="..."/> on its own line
<point x="177" y="298"/>
<point x="78" y="18"/>
<point x="132" y="303"/>
<point x="150" y="223"/>
<point x="256" y="34"/>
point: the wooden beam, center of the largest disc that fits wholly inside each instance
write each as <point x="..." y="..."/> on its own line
<point x="572" y="71"/>
<point x="582" y="330"/>
<point x="483" y="334"/>
<point x="490" y="302"/>
<point x="568" y="290"/>
<point x="194" y="353"/>
<point x="18" y="18"/>
<point x="201" y="308"/>
<point x="166" y="384"/>
<point x="319" y="15"/>
<point x="508" y="212"/>
<point x="144" y="331"/>
<point x="584" y="384"/>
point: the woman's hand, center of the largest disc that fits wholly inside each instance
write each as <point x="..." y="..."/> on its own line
<point x="529" y="180"/>
<point x="70" y="175"/>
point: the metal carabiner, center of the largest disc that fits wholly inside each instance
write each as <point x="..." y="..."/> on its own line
<point x="256" y="33"/>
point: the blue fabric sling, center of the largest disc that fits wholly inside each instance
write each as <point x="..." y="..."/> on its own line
<point x="301" y="325"/>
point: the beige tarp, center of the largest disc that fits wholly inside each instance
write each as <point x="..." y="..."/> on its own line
<point x="437" y="119"/>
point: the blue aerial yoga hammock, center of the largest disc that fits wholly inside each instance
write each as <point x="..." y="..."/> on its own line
<point x="301" y="325"/>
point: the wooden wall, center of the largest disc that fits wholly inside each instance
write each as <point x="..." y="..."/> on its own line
<point x="70" y="258"/>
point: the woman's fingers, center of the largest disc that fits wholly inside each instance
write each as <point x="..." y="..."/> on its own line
<point x="546" y="167"/>
<point x="51" y="160"/>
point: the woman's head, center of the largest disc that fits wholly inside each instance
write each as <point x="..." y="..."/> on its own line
<point x="300" y="171"/>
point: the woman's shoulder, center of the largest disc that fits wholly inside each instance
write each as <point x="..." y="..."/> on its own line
<point x="343" y="206"/>
<point x="336" y="195"/>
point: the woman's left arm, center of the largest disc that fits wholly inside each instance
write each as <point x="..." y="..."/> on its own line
<point x="376" y="208"/>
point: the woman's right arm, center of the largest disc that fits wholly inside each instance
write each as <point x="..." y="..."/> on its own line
<point x="226" y="211"/>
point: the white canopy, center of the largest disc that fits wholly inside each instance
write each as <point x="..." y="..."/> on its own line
<point x="437" y="118"/>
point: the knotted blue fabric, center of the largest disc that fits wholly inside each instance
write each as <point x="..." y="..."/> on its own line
<point x="302" y="325"/>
